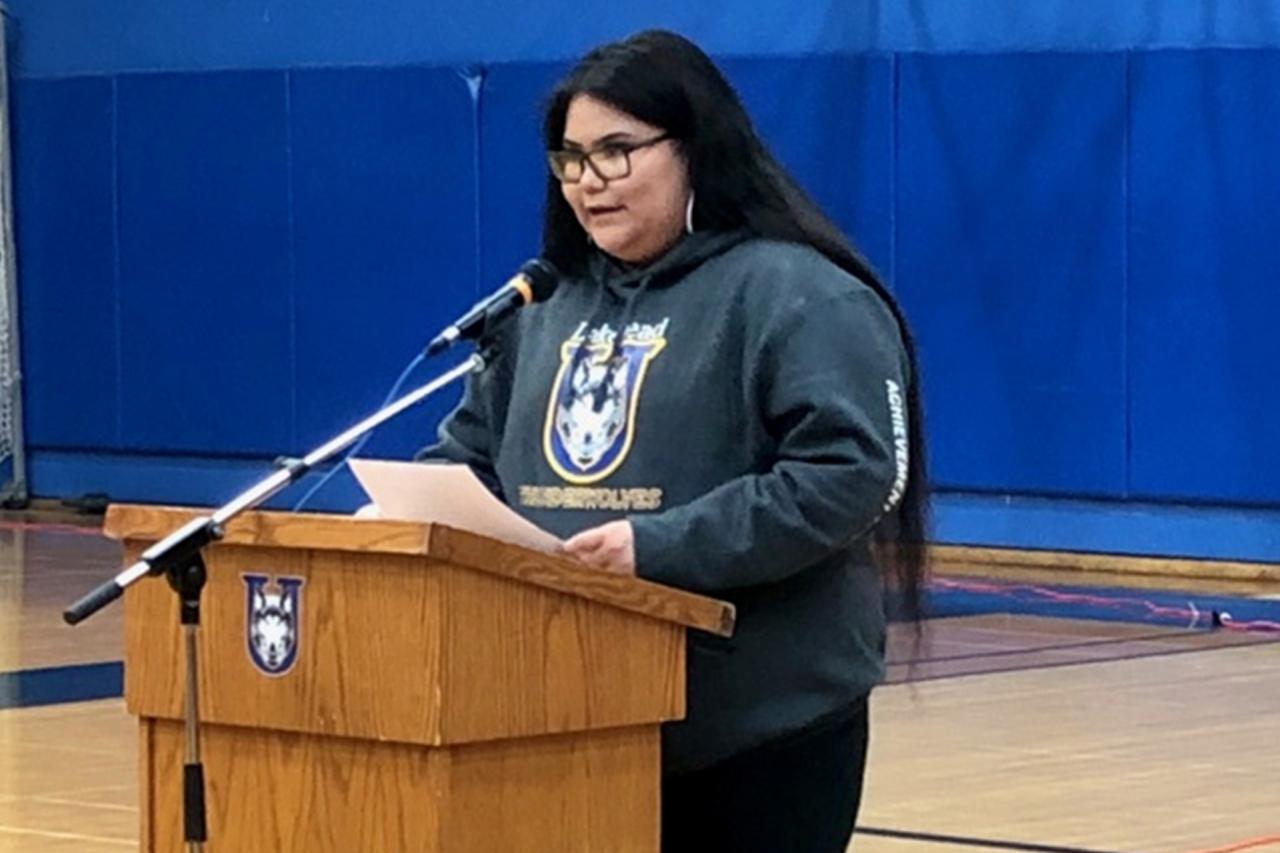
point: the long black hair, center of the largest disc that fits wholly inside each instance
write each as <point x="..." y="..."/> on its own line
<point x="665" y="80"/>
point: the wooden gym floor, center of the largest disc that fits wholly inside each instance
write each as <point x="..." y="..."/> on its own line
<point x="1005" y="733"/>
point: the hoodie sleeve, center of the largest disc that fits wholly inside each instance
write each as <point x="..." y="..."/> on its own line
<point x="830" y="382"/>
<point x="472" y="433"/>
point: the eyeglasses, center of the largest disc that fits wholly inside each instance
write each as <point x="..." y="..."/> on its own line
<point x="610" y="161"/>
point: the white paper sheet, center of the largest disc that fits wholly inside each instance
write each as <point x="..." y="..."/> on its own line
<point x="446" y="494"/>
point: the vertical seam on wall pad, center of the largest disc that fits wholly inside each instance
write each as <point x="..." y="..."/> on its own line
<point x="293" y="263"/>
<point x="115" y="257"/>
<point x="1126" y="233"/>
<point x="893" y="172"/>
<point x="474" y="78"/>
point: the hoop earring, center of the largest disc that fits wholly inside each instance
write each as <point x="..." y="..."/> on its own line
<point x="688" y="215"/>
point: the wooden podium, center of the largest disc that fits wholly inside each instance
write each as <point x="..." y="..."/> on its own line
<point x="446" y="692"/>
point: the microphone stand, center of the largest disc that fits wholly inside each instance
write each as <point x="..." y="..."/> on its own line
<point x="178" y="556"/>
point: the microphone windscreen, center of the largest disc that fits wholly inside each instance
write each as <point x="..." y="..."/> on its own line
<point x="542" y="276"/>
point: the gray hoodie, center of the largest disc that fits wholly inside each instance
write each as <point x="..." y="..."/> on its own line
<point x="742" y="403"/>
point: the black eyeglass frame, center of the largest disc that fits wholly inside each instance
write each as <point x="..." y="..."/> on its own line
<point x="558" y="159"/>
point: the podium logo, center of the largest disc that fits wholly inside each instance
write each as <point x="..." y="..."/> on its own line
<point x="272" y="617"/>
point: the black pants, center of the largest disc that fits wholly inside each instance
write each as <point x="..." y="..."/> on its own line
<point x="799" y="794"/>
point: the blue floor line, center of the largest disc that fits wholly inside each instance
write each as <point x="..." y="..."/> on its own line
<point x="26" y="688"/>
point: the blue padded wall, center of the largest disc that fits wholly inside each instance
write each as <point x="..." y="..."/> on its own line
<point x="1010" y="236"/>
<point x="205" y="297"/>
<point x="87" y="36"/>
<point x="221" y="266"/>
<point x="513" y="171"/>
<point x="384" y="218"/>
<point x="1205" y="250"/>
<point x="93" y="37"/>
<point x="829" y="120"/>
<point x="62" y="151"/>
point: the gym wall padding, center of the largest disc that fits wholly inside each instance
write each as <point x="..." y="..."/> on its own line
<point x="221" y="263"/>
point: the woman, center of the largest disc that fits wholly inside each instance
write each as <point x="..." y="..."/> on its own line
<point x="721" y="397"/>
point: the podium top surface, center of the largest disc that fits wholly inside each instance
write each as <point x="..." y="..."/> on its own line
<point x="145" y="523"/>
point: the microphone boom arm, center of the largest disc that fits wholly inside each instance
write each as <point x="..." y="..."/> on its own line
<point x="185" y="542"/>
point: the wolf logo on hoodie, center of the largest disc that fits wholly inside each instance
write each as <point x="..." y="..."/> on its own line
<point x="591" y="416"/>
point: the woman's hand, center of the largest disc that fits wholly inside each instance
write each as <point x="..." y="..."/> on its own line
<point x="610" y="547"/>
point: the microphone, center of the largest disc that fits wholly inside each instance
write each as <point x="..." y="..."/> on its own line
<point x="535" y="282"/>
